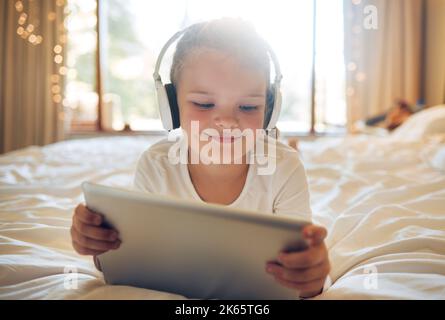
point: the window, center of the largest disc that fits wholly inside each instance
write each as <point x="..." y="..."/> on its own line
<point x="132" y="35"/>
<point x="81" y="97"/>
<point x="330" y="103"/>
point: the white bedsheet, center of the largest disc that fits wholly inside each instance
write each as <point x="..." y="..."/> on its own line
<point x="382" y="201"/>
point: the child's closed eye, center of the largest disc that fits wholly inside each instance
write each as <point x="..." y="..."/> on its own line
<point x="248" y="108"/>
<point x="204" y="105"/>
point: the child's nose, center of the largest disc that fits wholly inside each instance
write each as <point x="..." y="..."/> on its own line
<point x="226" y="122"/>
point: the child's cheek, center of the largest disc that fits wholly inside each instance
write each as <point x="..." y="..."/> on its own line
<point x="200" y="118"/>
<point x="194" y="122"/>
<point x="253" y="122"/>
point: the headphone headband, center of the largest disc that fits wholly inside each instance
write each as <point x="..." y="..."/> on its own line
<point x="156" y="76"/>
<point x="163" y="99"/>
<point x="164" y="49"/>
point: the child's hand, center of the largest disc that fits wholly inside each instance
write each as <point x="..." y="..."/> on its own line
<point x="88" y="236"/>
<point x="306" y="270"/>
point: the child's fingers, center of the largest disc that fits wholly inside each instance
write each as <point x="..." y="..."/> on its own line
<point x="306" y="289"/>
<point x="97" y="233"/>
<point x="303" y="259"/>
<point x="314" y="235"/>
<point x="86" y="251"/>
<point x="92" y="244"/>
<point x="87" y="216"/>
<point x="299" y="275"/>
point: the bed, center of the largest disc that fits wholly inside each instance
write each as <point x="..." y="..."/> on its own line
<point x="381" y="198"/>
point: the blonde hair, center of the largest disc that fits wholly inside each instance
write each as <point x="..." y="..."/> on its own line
<point x="233" y="36"/>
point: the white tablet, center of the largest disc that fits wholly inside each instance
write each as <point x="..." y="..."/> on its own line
<point x="194" y="249"/>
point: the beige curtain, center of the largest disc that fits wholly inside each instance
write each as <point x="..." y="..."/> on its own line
<point x="434" y="54"/>
<point x="32" y="58"/>
<point x="383" y="64"/>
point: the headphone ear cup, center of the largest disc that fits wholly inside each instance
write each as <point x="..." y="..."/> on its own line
<point x="270" y="99"/>
<point x="173" y="102"/>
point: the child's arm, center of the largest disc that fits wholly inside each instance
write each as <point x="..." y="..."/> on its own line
<point x="88" y="236"/>
<point x="306" y="270"/>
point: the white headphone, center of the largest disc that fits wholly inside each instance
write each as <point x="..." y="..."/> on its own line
<point x="166" y="94"/>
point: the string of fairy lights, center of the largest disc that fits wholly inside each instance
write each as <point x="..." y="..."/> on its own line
<point x="356" y="75"/>
<point x="28" y="30"/>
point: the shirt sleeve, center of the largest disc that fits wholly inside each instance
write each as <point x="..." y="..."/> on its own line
<point x="142" y="179"/>
<point x="293" y="198"/>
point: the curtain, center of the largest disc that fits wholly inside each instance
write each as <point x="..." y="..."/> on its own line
<point x="383" y="54"/>
<point x="32" y="58"/>
<point x="434" y="54"/>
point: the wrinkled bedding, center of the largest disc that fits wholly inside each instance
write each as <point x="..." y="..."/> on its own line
<point x="382" y="201"/>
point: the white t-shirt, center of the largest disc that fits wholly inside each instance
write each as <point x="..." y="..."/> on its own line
<point x="285" y="192"/>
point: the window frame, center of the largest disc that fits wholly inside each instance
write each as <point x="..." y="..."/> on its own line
<point x="87" y="127"/>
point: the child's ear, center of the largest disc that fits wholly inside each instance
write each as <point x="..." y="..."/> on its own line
<point x="173" y="102"/>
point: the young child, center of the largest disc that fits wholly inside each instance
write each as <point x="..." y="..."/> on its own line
<point x="221" y="73"/>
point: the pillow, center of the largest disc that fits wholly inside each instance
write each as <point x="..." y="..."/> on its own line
<point x="430" y="121"/>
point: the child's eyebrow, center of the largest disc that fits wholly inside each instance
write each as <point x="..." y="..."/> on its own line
<point x="201" y="92"/>
<point x="254" y="95"/>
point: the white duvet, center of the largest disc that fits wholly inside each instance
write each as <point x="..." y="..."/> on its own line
<point x="383" y="202"/>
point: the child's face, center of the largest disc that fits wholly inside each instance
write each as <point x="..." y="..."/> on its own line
<point x="217" y="91"/>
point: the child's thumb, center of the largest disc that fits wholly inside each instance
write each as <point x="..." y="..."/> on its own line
<point x="314" y="235"/>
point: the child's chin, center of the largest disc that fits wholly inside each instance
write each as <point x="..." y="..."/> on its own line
<point x="223" y="158"/>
